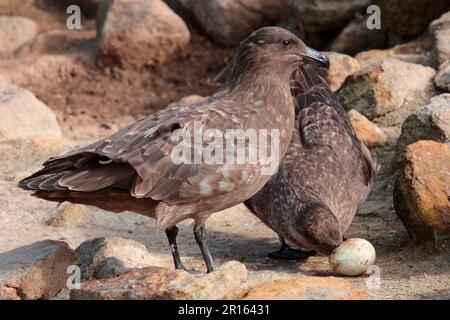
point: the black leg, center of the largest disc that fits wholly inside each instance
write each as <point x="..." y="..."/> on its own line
<point x="200" y="237"/>
<point x="171" y="234"/>
<point x="287" y="253"/>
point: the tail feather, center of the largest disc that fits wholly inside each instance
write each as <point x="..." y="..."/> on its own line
<point x="42" y="182"/>
<point x="66" y="174"/>
<point x="107" y="199"/>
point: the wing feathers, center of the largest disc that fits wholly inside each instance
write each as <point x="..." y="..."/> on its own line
<point x="324" y="122"/>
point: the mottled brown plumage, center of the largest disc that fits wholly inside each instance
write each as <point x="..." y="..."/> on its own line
<point x="133" y="169"/>
<point x="324" y="177"/>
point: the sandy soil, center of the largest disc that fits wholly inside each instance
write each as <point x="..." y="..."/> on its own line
<point x="93" y="103"/>
<point x="407" y="271"/>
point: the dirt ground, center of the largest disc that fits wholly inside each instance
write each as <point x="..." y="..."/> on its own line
<point x="92" y="103"/>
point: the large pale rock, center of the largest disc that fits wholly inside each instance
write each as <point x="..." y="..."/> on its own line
<point x="442" y="23"/>
<point x="110" y="256"/>
<point x="137" y="33"/>
<point x="366" y="131"/>
<point x="422" y="191"/>
<point x="26" y="118"/>
<point x="440" y="28"/>
<point x="305" y="288"/>
<point x="156" y="283"/>
<point x="14" y="33"/>
<point x="341" y="66"/>
<point x="429" y="122"/>
<point x="442" y="79"/>
<point x="320" y="15"/>
<point x="410" y="17"/>
<point x="388" y="91"/>
<point x="38" y="71"/>
<point x="36" y="271"/>
<point x="418" y="51"/>
<point x="230" y="21"/>
<point x="442" y="45"/>
<point x="70" y="215"/>
<point x="356" y="37"/>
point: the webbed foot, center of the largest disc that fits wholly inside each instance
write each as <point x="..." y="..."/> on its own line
<point x="287" y="253"/>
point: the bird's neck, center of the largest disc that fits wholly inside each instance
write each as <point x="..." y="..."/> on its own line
<point x="259" y="84"/>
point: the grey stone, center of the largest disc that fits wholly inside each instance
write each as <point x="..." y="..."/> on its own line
<point x="35" y="271"/>
<point x="109" y="256"/>
<point x="230" y="21"/>
<point x="320" y="15"/>
<point x="429" y="122"/>
<point x="388" y="91"/>
<point x="442" y="79"/>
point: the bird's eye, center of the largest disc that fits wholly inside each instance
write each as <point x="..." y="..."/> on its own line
<point x="285" y="43"/>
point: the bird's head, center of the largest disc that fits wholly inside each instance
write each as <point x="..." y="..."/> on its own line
<point x="319" y="228"/>
<point x="278" y="46"/>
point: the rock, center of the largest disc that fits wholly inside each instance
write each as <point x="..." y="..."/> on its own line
<point x="429" y="122"/>
<point x="128" y="254"/>
<point x="39" y="71"/>
<point x="442" y="23"/>
<point x="56" y="41"/>
<point x="26" y="118"/>
<point x="36" y="271"/>
<point x="88" y="7"/>
<point x="388" y="91"/>
<point x="15" y="32"/>
<point x="418" y="51"/>
<point x="356" y="37"/>
<point x="258" y="276"/>
<point x="442" y="79"/>
<point x="366" y="131"/>
<point x="230" y="21"/>
<point x="295" y="26"/>
<point x="409" y="18"/>
<point x="320" y="15"/>
<point x="70" y="215"/>
<point x="341" y="66"/>
<point x="422" y="191"/>
<point x="110" y="268"/>
<point x="442" y="46"/>
<point x="305" y="288"/>
<point x="138" y="33"/>
<point x="440" y="28"/>
<point x="193" y="98"/>
<point x="156" y="283"/>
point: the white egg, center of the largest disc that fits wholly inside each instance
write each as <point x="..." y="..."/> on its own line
<point x="352" y="257"/>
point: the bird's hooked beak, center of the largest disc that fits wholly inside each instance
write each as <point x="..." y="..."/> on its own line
<point x="315" y="57"/>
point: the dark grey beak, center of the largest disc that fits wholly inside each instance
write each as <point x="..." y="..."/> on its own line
<point x="315" y="57"/>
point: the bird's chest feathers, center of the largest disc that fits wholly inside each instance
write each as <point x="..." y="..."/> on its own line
<point x="273" y="105"/>
<point x="275" y="110"/>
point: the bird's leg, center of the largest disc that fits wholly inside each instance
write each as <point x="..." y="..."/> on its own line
<point x="287" y="253"/>
<point x="200" y="237"/>
<point x="171" y="234"/>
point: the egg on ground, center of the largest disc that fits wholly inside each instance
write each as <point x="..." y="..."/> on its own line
<point x="353" y="257"/>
